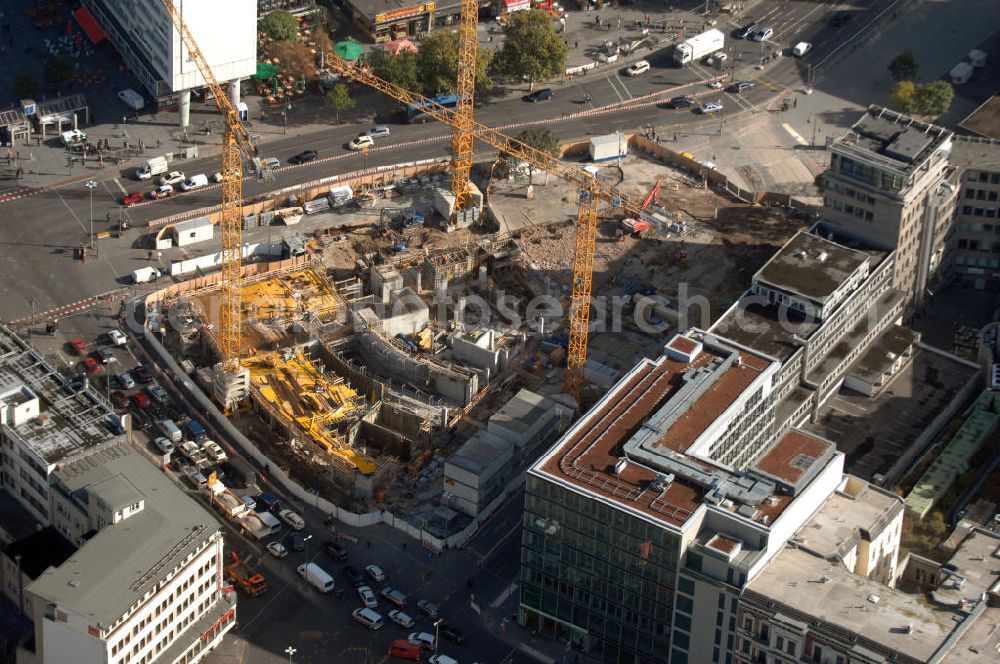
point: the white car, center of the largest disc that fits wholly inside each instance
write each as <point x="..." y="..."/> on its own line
<point x="361" y="142"/>
<point x="277" y="549"/>
<point x="442" y="659"/>
<point x="213" y="450"/>
<point x="292" y="519"/>
<point x="375" y="572"/>
<point x="400" y="618"/>
<point x="640" y="67"/>
<point x="377" y="132"/>
<point x="172" y="178"/>
<point x="801" y="49"/>
<point x="763" y="35"/>
<point x="710" y="107"/>
<point x="164" y="445"/>
<point x="367" y="597"/>
<point x="117" y="337"/>
<point x="422" y="639"/>
<point x="162" y="191"/>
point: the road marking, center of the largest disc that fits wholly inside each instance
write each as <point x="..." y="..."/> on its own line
<point x="614" y="88"/>
<point x="794" y="134"/>
<point x="120" y="186"/>
<point x="624" y="87"/>
<point x="502" y="597"/>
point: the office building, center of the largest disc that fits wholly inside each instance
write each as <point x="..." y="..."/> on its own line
<point x="975" y="244"/>
<point x="151" y="47"/>
<point x="146" y="583"/>
<point x="890" y="186"/>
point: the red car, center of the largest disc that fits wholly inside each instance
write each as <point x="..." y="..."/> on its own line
<point x="133" y="198"/>
<point x="78" y="346"/>
<point x="91" y="365"/>
<point x="140" y="400"/>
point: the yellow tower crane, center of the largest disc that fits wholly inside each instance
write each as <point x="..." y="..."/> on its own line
<point x="462" y="136"/>
<point x="236" y="145"/>
<point x="592" y="192"/>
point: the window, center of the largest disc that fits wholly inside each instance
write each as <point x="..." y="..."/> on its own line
<point x="840" y="659"/>
<point x="791" y="648"/>
<point x="970" y="193"/>
<point x="817" y="654"/>
<point x="748" y="624"/>
<point x="779" y="643"/>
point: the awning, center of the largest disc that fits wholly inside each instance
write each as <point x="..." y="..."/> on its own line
<point x="89" y="24"/>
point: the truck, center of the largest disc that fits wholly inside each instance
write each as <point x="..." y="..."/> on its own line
<point x="699" y="46"/>
<point x="241" y="574"/>
<point x="145" y="275"/>
<point x="259" y="524"/>
<point x="195" y="431"/>
<point x="154" y="166"/>
<point x="316" y="576"/>
<point x="608" y="147"/>
<point x="132" y="99"/>
<point x="229" y="504"/>
<point x="961" y="73"/>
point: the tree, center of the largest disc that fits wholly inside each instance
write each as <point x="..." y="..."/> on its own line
<point x="401" y="69"/>
<point x="933" y="98"/>
<point x="339" y="99"/>
<point x="294" y="59"/>
<point x="904" y="67"/>
<point x="539" y="138"/>
<point x="901" y="96"/>
<point x="437" y="63"/>
<point x="532" y="48"/>
<point x="280" y="26"/>
<point x="56" y="69"/>
<point x="25" y="86"/>
<point x="322" y="42"/>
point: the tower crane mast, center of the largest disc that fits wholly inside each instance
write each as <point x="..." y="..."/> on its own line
<point x="462" y="137"/>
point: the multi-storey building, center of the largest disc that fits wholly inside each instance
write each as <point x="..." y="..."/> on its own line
<point x="151" y="46"/>
<point x="652" y="511"/>
<point x="890" y="185"/>
<point x="975" y="244"/>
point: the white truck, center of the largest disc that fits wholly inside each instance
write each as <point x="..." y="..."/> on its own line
<point x="260" y="524"/>
<point x="699" y="46"/>
<point x="145" y="274"/>
<point x="961" y="73"/>
<point x="155" y="166"/>
<point x="316" y="576"/>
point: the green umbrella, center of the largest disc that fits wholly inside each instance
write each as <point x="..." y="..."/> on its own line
<point x="349" y="50"/>
<point x="265" y="71"/>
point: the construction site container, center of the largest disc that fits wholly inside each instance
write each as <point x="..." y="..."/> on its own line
<point x="194" y="230"/>
<point x="608" y="147"/>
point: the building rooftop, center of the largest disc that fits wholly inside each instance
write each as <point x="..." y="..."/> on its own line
<point x="522" y="411"/>
<point x="970" y="152"/>
<point x="120" y="563"/>
<point x="771" y="330"/>
<point x="877" y="360"/>
<point x="856" y="508"/>
<point x="481" y="452"/>
<point x="897" y="141"/>
<point x="985" y="120"/>
<point x="69" y="424"/>
<point x="810" y="267"/>
<point x="794" y="459"/>
<point x="40" y="550"/>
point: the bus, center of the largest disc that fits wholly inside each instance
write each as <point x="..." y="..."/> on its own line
<point x="417" y="109"/>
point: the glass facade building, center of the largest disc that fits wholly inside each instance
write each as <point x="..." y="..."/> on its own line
<point x="596" y="576"/>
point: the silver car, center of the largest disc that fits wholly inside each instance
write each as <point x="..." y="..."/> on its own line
<point x="378" y="132"/>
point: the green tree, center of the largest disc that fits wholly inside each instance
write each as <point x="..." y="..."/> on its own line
<point x="339" y="99"/>
<point x="401" y="69"/>
<point x="437" y="64"/>
<point x="56" y="69"/>
<point x="532" y="49"/>
<point x="901" y="96"/>
<point x="820" y="182"/>
<point x="933" y="98"/>
<point x="904" y="67"/>
<point x="25" y="86"/>
<point x="280" y="26"/>
<point x="540" y="138"/>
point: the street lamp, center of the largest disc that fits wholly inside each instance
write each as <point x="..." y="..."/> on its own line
<point x="305" y="540"/>
<point x="290" y="651"/>
<point x="437" y="633"/>
<point x="91" y="185"/>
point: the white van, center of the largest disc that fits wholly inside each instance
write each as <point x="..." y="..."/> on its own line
<point x="640" y="67"/>
<point x="194" y="182"/>
<point x="801" y="49"/>
<point x="316" y="576"/>
<point x="368" y="618"/>
<point x="171" y="431"/>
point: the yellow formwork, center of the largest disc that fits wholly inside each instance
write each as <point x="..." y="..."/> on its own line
<point x="309" y="402"/>
<point x="289" y="295"/>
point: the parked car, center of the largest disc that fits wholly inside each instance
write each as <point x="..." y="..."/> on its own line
<point x="296" y="542"/>
<point x="277" y="549"/>
<point x="248" y="501"/>
<point x="739" y="86"/>
<point x="158" y="394"/>
<point x="377" y="132"/>
<point x="172" y="178"/>
<point x="271" y="162"/>
<point x="78" y="347"/>
<point x="400" y="618"/>
<point x="143" y="374"/>
<point x="163" y="444"/>
<point x="117" y="338"/>
<point x="125" y="380"/>
<point x="360" y="143"/>
<point x="367" y="597"/>
<point x="800" y="49"/>
<point x="422" y="639"/>
<point x="354" y="576"/>
<point x="394" y="596"/>
<point x="140" y="401"/>
<point x="763" y="35"/>
<point x="442" y="659"/>
<point x="428" y="608"/>
<point x="162" y="192"/>
<point x="542" y="94"/>
<point x="746" y="32"/>
<point x="710" y="107"/>
<point x="335" y="549"/>
<point x="90" y="365"/>
<point x="267" y="502"/>
<point x="133" y="198"/>
<point x="840" y="18"/>
<point x="683" y="102"/>
<point x="375" y="572"/>
<point x="303" y="157"/>
<point x="292" y="519"/>
<point x="119" y="399"/>
<point x="637" y="68"/>
<point x="451" y="632"/>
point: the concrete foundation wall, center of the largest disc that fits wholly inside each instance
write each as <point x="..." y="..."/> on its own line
<point x="394" y="362"/>
<point x="469" y="353"/>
